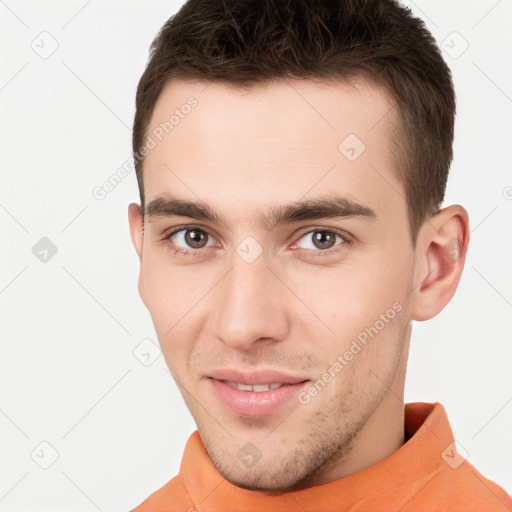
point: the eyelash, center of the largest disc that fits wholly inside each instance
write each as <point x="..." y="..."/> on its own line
<point x="198" y="252"/>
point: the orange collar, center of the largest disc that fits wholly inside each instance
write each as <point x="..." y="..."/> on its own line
<point x="429" y="433"/>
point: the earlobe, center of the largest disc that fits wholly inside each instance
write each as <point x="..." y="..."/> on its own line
<point x="440" y="255"/>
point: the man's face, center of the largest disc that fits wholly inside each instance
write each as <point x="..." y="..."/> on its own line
<point x="295" y="297"/>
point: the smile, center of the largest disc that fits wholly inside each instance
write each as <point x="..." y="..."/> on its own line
<point x="255" y="400"/>
<point x="256" y="387"/>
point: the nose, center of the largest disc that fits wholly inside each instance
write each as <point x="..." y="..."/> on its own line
<point x="250" y="304"/>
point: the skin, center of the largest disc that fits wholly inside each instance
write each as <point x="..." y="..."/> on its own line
<point x="292" y="308"/>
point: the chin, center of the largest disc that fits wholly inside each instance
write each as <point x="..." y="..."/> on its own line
<point x="264" y="484"/>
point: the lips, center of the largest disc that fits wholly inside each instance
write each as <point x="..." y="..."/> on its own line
<point x="255" y="394"/>
<point x="261" y="376"/>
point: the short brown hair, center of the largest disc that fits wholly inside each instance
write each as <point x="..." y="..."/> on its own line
<point x="246" y="42"/>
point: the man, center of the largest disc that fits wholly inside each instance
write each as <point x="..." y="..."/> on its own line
<point x="292" y="158"/>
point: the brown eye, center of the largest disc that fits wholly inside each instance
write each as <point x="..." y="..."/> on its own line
<point x="190" y="238"/>
<point x="322" y="239"/>
<point x="195" y="238"/>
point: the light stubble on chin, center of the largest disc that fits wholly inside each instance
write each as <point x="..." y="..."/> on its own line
<point x="276" y="473"/>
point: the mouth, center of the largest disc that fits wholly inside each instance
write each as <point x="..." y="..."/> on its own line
<point x="255" y="400"/>
<point x="258" y="388"/>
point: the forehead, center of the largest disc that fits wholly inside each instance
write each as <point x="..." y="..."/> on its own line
<point x="274" y="142"/>
<point x="286" y="110"/>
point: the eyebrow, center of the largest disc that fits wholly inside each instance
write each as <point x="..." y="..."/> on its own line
<point x="328" y="206"/>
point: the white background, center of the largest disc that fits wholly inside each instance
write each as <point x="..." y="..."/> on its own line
<point x="68" y="374"/>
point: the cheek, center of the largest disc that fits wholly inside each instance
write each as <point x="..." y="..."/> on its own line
<point x="167" y="287"/>
<point x="158" y="287"/>
<point x="173" y="294"/>
<point x="357" y="294"/>
<point x="365" y="306"/>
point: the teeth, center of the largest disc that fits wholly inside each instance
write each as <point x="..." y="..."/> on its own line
<point x="257" y="387"/>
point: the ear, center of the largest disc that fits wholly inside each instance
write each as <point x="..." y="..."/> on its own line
<point x="135" y="220"/>
<point x="440" y="255"/>
<point x="137" y="235"/>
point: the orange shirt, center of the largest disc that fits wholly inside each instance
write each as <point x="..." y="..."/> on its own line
<point x="425" y="474"/>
